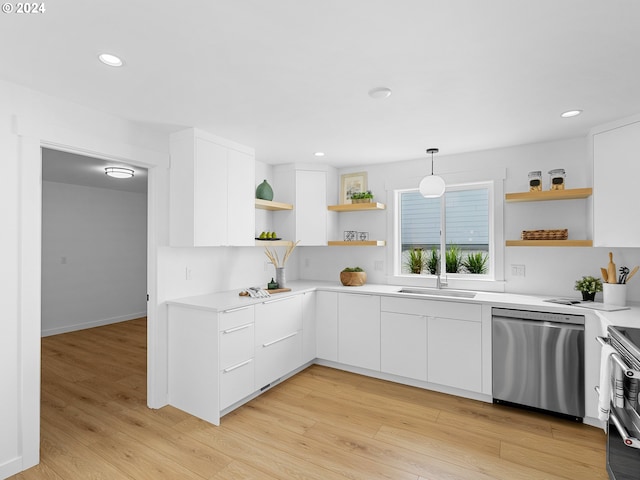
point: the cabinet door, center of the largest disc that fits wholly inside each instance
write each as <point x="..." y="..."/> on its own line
<point x="278" y="339"/>
<point x="311" y="208"/>
<point x="308" y="327"/>
<point x="210" y="194"/>
<point x="327" y="325"/>
<point x="359" y="330"/>
<point x="241" y="199"/>
<point x="615" y="173"/>
<point x="454" y="353"/>
<point x="403" y="345"/>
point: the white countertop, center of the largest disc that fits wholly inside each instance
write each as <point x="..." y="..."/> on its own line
<point x="220" y="301"/>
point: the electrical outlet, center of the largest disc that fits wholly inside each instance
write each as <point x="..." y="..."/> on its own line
<point x="187" y="273"/>
<point x="378" y="265"/>
<point x="517" y="270"/>
<point x="307" y="262"/>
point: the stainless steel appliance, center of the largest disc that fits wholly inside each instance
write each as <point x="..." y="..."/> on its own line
<point x="538" y="360"/>
<point x="623" y="431"/>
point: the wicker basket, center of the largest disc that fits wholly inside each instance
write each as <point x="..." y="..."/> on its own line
<point x="545" y="234"/>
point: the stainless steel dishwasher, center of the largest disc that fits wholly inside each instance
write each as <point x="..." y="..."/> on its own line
<point x="538" y="360"/>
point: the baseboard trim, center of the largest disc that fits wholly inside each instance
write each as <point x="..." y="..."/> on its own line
<point x="11" y="467"/>
<point x="95" y="323"/>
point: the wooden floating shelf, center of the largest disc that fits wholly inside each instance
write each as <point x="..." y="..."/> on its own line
<point x="357" y="207"/>
<point x="572" y="194"/>
<point x="273" y="206"/>
<point x="358" y="243"/>
<point x="273" y="243"/>
<point x="549" y="243"/>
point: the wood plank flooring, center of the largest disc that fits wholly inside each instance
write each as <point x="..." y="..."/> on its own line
<point x="321" y="424"/>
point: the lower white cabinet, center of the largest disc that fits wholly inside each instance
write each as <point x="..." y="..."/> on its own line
<point x="308" y="327"/>
<point x="327" y="325"/>
<point x="359" y="330"/>
<point x="236" y="342"/>
<point x="454" y="351"/>
<point x="278" y="339"/>
<point x="403" y="345"/>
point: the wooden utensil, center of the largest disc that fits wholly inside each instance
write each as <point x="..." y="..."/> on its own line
<point x="604" y="274"/>
<point x="633" y="272"/>
<point x="611" y="270"/>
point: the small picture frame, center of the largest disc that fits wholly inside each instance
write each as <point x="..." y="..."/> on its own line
<point x="363" y="236"/>
<point x="351" y="183"/>
<point x="350" y="235"/>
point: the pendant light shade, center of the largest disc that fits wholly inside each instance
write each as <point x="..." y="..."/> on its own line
<point x="432" y="186"/>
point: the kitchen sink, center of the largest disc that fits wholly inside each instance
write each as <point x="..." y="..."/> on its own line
<point x="434" y="292"/>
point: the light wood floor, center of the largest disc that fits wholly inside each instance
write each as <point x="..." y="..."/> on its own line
<point x="321" y="424"/>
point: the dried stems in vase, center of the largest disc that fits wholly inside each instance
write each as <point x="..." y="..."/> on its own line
<point x="274" y="258"/>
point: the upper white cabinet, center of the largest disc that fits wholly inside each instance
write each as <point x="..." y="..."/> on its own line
<point x="615" y="173"/>
<point x="309" y="221"/>
<point x="211" y="199"/>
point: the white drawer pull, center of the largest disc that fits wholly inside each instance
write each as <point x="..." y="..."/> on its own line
<point x="236" y="309"/>
<point x="241" y="364"/>
<point x="235" y="329"/>
<point x="279" y="340"/>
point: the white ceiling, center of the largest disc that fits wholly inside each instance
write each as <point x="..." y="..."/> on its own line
<point x="290" y="77"/>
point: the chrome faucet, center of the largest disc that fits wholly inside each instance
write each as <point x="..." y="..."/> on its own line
<point x="439" y="282"/>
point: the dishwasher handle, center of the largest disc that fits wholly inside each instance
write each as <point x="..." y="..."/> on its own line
<point x="539" y="323"/>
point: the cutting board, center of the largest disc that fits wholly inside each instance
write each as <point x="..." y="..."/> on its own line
<point x="274" y="290"/>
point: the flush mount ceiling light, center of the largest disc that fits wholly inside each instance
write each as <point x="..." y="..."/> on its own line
<point x="119" y="172"/>
<point x="380" y="92"/>
<point x="319" y="154"/>
<point x="571" y="113"/>
<point x="432" y="186"/>
<point x="111" y="60"/>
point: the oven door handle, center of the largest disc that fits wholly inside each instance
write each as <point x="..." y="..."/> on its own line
<point x="628" y="371"/>
<point x="626" y="438"/>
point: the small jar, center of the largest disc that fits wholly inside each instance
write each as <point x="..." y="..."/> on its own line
<point x="535" y="181"/>
<point x="556" y="179"/>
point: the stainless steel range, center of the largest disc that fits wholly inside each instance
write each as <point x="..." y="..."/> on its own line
<point x="623" y="432"/>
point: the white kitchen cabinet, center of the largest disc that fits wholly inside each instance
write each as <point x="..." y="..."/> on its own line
<point x="359" y="330"/>
<point x="236" y="342"/>
<point x="403" y="345"/>
<point x="327" y="325"/>
<point x="615" y="173"/>
<point x="454" y="347"/>
<point x="211" y="201"/>
<point x="278" y="339"/>
<point x="308" y="326"/>
<point x="308" y="222"/>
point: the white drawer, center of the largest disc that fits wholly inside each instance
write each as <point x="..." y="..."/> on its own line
<point x="235" y="317"/>
<point x="236" y="382"/>
<point x="277" y="358"/>
<point x="277" y="318"/>
<point x="236" y="344"/>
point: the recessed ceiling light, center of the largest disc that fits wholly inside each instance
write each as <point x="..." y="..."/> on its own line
<point x="319" y="154"/>
<point x="111" y="60"/>
<point x="380" y="92"/>
<point x="571" y="113"/>
<point x="118" y="172"/>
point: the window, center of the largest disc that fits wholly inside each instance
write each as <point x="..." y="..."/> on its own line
<point x="462" y="214"/>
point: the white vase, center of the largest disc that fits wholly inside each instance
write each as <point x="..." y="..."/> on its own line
<point x="615" y="294"/>
<point x="280" y="277"/>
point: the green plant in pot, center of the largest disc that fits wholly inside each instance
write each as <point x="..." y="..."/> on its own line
<point x="453" y="259"/>
<point x="588" y="286"/>
<point x="362" y="197"/>
<point x="353" y="277"/>
<point x="432" y="261"/>
<point x="416" y="260"/>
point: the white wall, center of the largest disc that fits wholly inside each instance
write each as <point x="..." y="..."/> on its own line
<point x="28" y="120"/>
<point x="94" y="256"/>
<point x="548" y="270"/>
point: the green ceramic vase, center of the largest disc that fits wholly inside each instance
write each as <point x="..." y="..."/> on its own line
<point x="264" y="191"/>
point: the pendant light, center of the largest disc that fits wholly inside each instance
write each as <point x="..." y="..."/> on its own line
<point x="432" y="186"/>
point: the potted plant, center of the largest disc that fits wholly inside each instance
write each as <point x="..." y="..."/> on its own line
<point x="353" y="277"/>
<point x="453" y="259"/>
<point x="362" y="197"/>
<point x="416" y="260"/>
<point x="589" y="286"/>
<point x="476" y="262"/>
<point x="432" y="261"/>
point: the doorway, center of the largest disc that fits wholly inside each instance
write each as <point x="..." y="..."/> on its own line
<point x="94" y="242"/>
